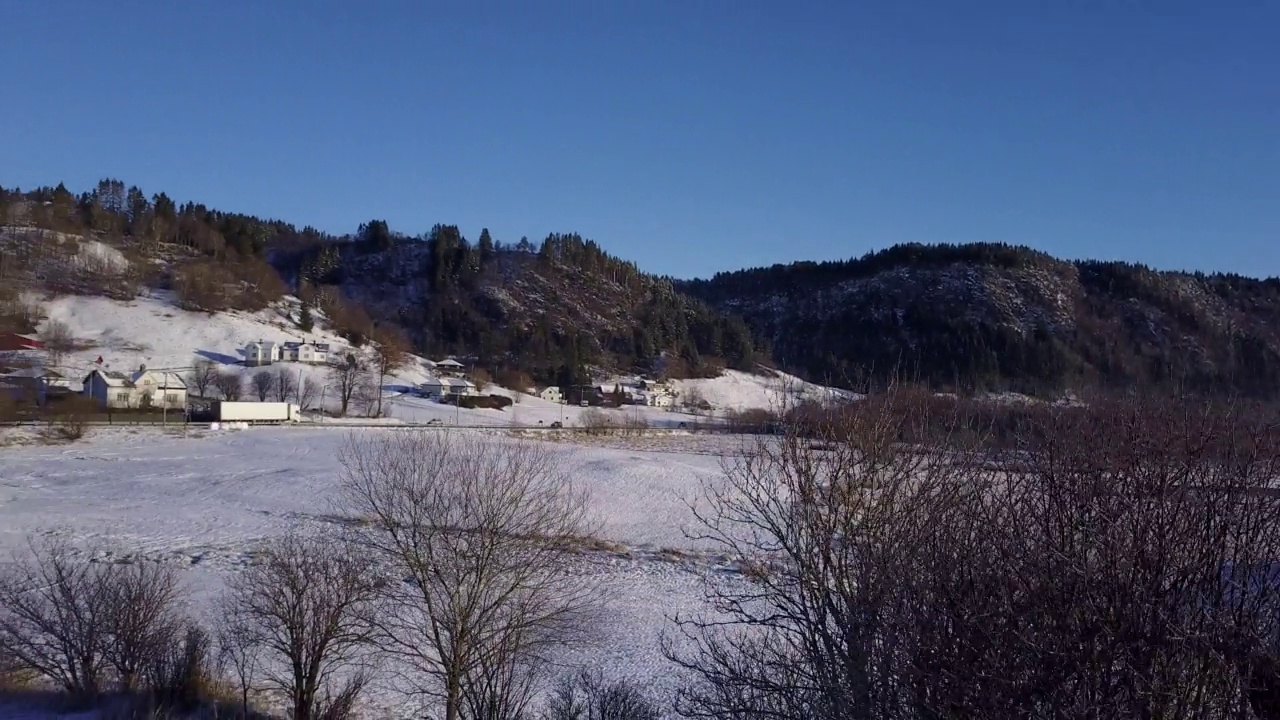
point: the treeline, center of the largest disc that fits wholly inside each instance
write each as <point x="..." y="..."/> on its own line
<point x="992" y="317"/>
<point x="805" y="275"/>
<point x="474" y="298"/>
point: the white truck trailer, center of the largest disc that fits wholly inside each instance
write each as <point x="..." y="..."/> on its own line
<point x="257" y="412"/>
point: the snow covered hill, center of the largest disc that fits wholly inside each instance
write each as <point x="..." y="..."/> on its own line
<point x="151" y="330"/>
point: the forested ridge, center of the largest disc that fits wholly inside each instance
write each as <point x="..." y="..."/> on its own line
<point x="995" y="317"/>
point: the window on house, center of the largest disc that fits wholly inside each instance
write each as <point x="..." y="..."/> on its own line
<point x="122" y="397"/>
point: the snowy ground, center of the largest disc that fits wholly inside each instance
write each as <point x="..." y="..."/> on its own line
<point x="209" y="499"/>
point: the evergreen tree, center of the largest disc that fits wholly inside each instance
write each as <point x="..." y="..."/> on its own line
<point x="485" y="246"/>
<point x="375" y="234"/>
<point x="305" y="321"/>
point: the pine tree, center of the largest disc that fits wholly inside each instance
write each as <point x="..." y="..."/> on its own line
<point x="485" y="244"/>
<point x="305" y="321"/>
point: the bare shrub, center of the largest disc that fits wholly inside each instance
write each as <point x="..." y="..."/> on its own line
<point x="634" y="422"/>
<point x="307" y="609"/>
<point x="202" y="377"/>
<point x="53" y="615"/>
<point x="58" y="341"/>
<point x="752" y="421"/>
<point x="230" y="385"/>
<point x="239" y="654"/>
<point x="477" y="527"/>
<point x="588" y="696"/>
<point x="367" y="396"/>
<point x="1118" y="562"/>
<point x="250" y="284"/>
<point x="347" y="318"/>
<point x="286" y="385"/>
<point x="515" y="379"/>
<point x="263" y="383"/>
<point x="181" y="674"/>
<point x="70" y="621"/>
<point x="18" y="314"/>
<point x="65" y="427"/>
<point x="481" y="378"/>
<point x="307" y="393"/>
<point x="594" y="421"/>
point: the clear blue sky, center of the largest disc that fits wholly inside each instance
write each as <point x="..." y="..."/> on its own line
<point x="688" y="136"/>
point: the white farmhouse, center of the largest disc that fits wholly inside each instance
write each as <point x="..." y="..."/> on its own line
<point x="447" y="388"/>
<point x="305" y="352"/>
<point x="262" y="352"/>
<point x="142" y="389"/>
<point x="550" y="393"/>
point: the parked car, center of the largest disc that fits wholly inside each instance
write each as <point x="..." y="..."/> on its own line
<point x="557" y="424"/>
<point x="435" y="421"/>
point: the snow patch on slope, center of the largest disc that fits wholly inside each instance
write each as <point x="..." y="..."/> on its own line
<point x="735" y="390"/>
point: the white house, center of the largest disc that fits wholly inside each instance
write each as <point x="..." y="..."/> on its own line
<point x="262" y="352"/>
<point x="450" y="366"/>
<point x="142" y="389"/>
<point x="550" y="393"/>
<point x="445" y="388"/>
<point x="306" y="352"/>
<point x="659" y="399"/>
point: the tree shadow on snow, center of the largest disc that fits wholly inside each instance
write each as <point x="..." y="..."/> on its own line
<point x="220" y="358"/>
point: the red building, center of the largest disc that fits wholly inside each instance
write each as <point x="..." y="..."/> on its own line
<point x="14" y="341"/>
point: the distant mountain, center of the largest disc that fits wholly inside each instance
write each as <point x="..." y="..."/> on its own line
<point x="987" y="317"/>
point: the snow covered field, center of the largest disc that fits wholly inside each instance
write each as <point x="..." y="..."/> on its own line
<point x="209" y="499"/>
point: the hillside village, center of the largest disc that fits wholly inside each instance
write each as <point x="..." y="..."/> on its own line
<point x="56" y="365"/>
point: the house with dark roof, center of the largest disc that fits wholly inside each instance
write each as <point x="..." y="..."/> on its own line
<point x="305" y="352"/>
<point x="142" y="389"/>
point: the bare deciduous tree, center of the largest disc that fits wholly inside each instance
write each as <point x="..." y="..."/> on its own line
<point x="588" y="696"/>
<point x="483" y="532"/>
<point x="346" y="376"/>
<point x="286" y="385"/>
<point x="264" y="382"/>
<point x="142" y="617"/>
<point x="202" y="376"/>
<point x="307" y="608"/>
<point x="239" y="654"/>
<point x="58" y="341"/>
<point x="70" y="621"/>
<point x="391" y="352"/>
<point x="367" y="397"/>
<point x="230" y="385"/>
<point x="307" y="393"/>
<point x="53" y="619"/>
